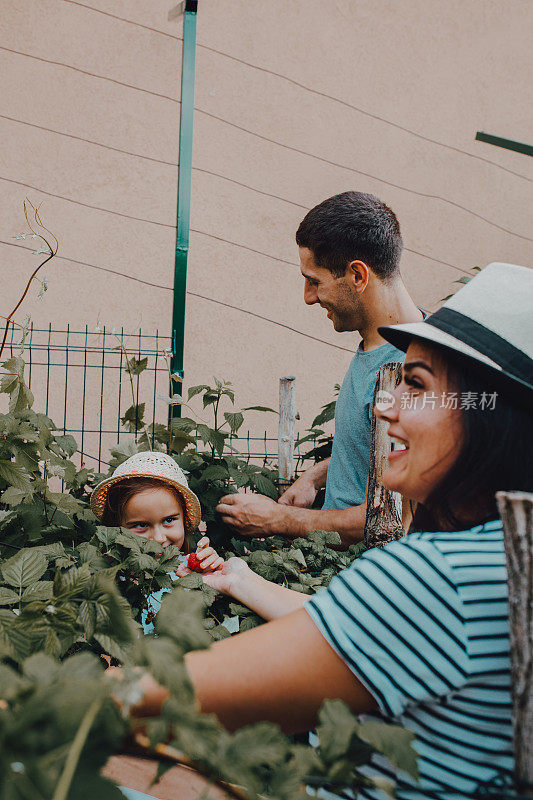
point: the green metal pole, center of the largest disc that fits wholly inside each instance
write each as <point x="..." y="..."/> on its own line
<point x="184" y="189"/>
<point x="508" y="144"/>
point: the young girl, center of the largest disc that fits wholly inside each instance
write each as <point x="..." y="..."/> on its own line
<point x="148" y="494"/>
<point x="416" y="632"/>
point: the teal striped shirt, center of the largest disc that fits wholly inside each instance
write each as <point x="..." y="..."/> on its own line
<point x="423" y="624"/>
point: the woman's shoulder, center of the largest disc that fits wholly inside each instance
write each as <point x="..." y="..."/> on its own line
<point x="434" y="560"/>
<point x="480" y="538"/>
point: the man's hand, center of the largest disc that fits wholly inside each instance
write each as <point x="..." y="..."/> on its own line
<point x="302" y="493"/>
<point x="251" y="514"/>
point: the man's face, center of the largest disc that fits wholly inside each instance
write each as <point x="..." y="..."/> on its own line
<point x="342" y="304"/>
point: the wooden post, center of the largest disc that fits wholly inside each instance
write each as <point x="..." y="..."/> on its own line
<point x="384" y="508"/>
<point x="287" y="417"/>
<point x="516" y="511"/>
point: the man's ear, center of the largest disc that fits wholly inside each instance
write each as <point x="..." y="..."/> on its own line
<point x="358" y="275"/>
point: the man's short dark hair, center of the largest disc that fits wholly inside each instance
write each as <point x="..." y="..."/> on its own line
<point x="352" y="226"/>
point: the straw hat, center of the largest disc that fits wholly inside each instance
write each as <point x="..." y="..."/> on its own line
<point x="489" y="322"/>
<point x="160" y="467"/>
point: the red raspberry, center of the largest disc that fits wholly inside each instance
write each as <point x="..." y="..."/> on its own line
<point x="193" y="563"/>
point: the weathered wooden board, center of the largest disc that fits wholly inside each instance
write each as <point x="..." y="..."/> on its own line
<point x="384" y="508"/>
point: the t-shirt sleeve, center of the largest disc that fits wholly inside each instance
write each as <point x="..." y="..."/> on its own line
<point x="396" y="619"/>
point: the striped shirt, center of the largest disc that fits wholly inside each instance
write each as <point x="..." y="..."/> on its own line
<point x="423" y="624"/>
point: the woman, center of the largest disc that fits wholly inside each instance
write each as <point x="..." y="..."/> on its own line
<point x="417" y="632"/>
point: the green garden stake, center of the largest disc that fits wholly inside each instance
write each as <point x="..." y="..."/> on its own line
<point x="184" y="191"/>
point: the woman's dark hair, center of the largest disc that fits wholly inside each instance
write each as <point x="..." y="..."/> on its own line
<point x="496" y="455"/>
<point x="352" y="226"/>
<point x="119" y="494"/>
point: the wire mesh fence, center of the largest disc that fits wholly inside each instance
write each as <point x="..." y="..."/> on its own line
<point x="79" y="380"/>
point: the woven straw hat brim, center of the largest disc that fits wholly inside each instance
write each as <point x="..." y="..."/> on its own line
<point x="193" y="514"/>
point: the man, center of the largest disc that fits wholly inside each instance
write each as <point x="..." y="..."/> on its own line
<point x="350" y="247"/>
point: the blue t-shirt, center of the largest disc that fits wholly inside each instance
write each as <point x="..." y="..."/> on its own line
<point x="350" y="456"/>
<point x="423" y="623"/>
<point x="154" y="603"/>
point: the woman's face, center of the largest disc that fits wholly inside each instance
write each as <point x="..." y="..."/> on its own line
<point x="424" y="423"/>
<point x="155" y="514"/>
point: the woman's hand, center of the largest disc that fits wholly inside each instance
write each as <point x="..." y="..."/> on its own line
<point x="208" y="557"/>
<point x="234" y="572"/>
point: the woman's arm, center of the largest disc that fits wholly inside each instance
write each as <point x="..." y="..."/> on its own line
<point x="269" y="600"/>
<point x="281" y="672"/>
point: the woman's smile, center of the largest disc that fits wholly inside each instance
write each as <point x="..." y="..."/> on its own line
<point x="426" y="435"/>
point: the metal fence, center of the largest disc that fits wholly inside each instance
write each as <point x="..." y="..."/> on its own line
<point x="79" y="379"/>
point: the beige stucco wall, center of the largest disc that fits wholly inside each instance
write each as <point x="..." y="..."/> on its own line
<point x="89" y="126"/>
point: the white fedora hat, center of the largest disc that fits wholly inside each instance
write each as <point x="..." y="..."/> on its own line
<point x="158" y="466"/>
<point x="489" y="322"/>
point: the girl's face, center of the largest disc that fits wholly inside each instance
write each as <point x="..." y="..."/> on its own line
<point x="156" y="514"/>
<point x="420" y="420"/>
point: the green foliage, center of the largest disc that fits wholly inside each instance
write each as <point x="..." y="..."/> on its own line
<point x="461" y="281"/>
<point x="71" y="590"/>
<point x="202" y="449"/>
<point x="322" y="440"/>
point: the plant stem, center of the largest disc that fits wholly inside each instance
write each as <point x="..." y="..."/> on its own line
<point x="26" y="788"/>
<point x="74" y="754"/>
<point x="53" y="252"/>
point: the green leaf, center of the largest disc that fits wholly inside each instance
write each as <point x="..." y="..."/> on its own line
<point x="234" y="420"/>
<point x="133" y="419"/>
<point x="24" y="568"/>
<point x="336" y="728"/>
<point x="8" y="383"/>
<point x="308" y="438"/>
<point x="41" y="590"/>
<point x="136" y="365"/>
<point x="394" y="742"/>
<point x="41" y="668"/>
<point x="464" y="279"/>
<point x="20" y="398"/>
<point x="215" y="472"/>
<point x="180" y="618"/>
<point x="110" y="646"/>
<point x="14" y="364"/>
<point x="191" y="581"/>
<point x="12" y="496"/>
<point x="326" y="415"/>
<point x="211" y="436"/>
<point x="67" y="443"/>
<point x="296" y="554"/>
<point x="7" y="596"/>
<point x="265" y="486"/>
<point x="260" y="408"/>
<point x="14" y="475"/>
<point x="209" y="398"/>
<point x="12" y="684"/>
<point x="193" y="390"/>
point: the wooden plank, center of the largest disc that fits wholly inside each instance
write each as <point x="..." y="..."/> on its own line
<point x="516" y="512"/>
<point x="179" y="783"/>
<point x="384" y="508"/>
<point x="287" y="418"/>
